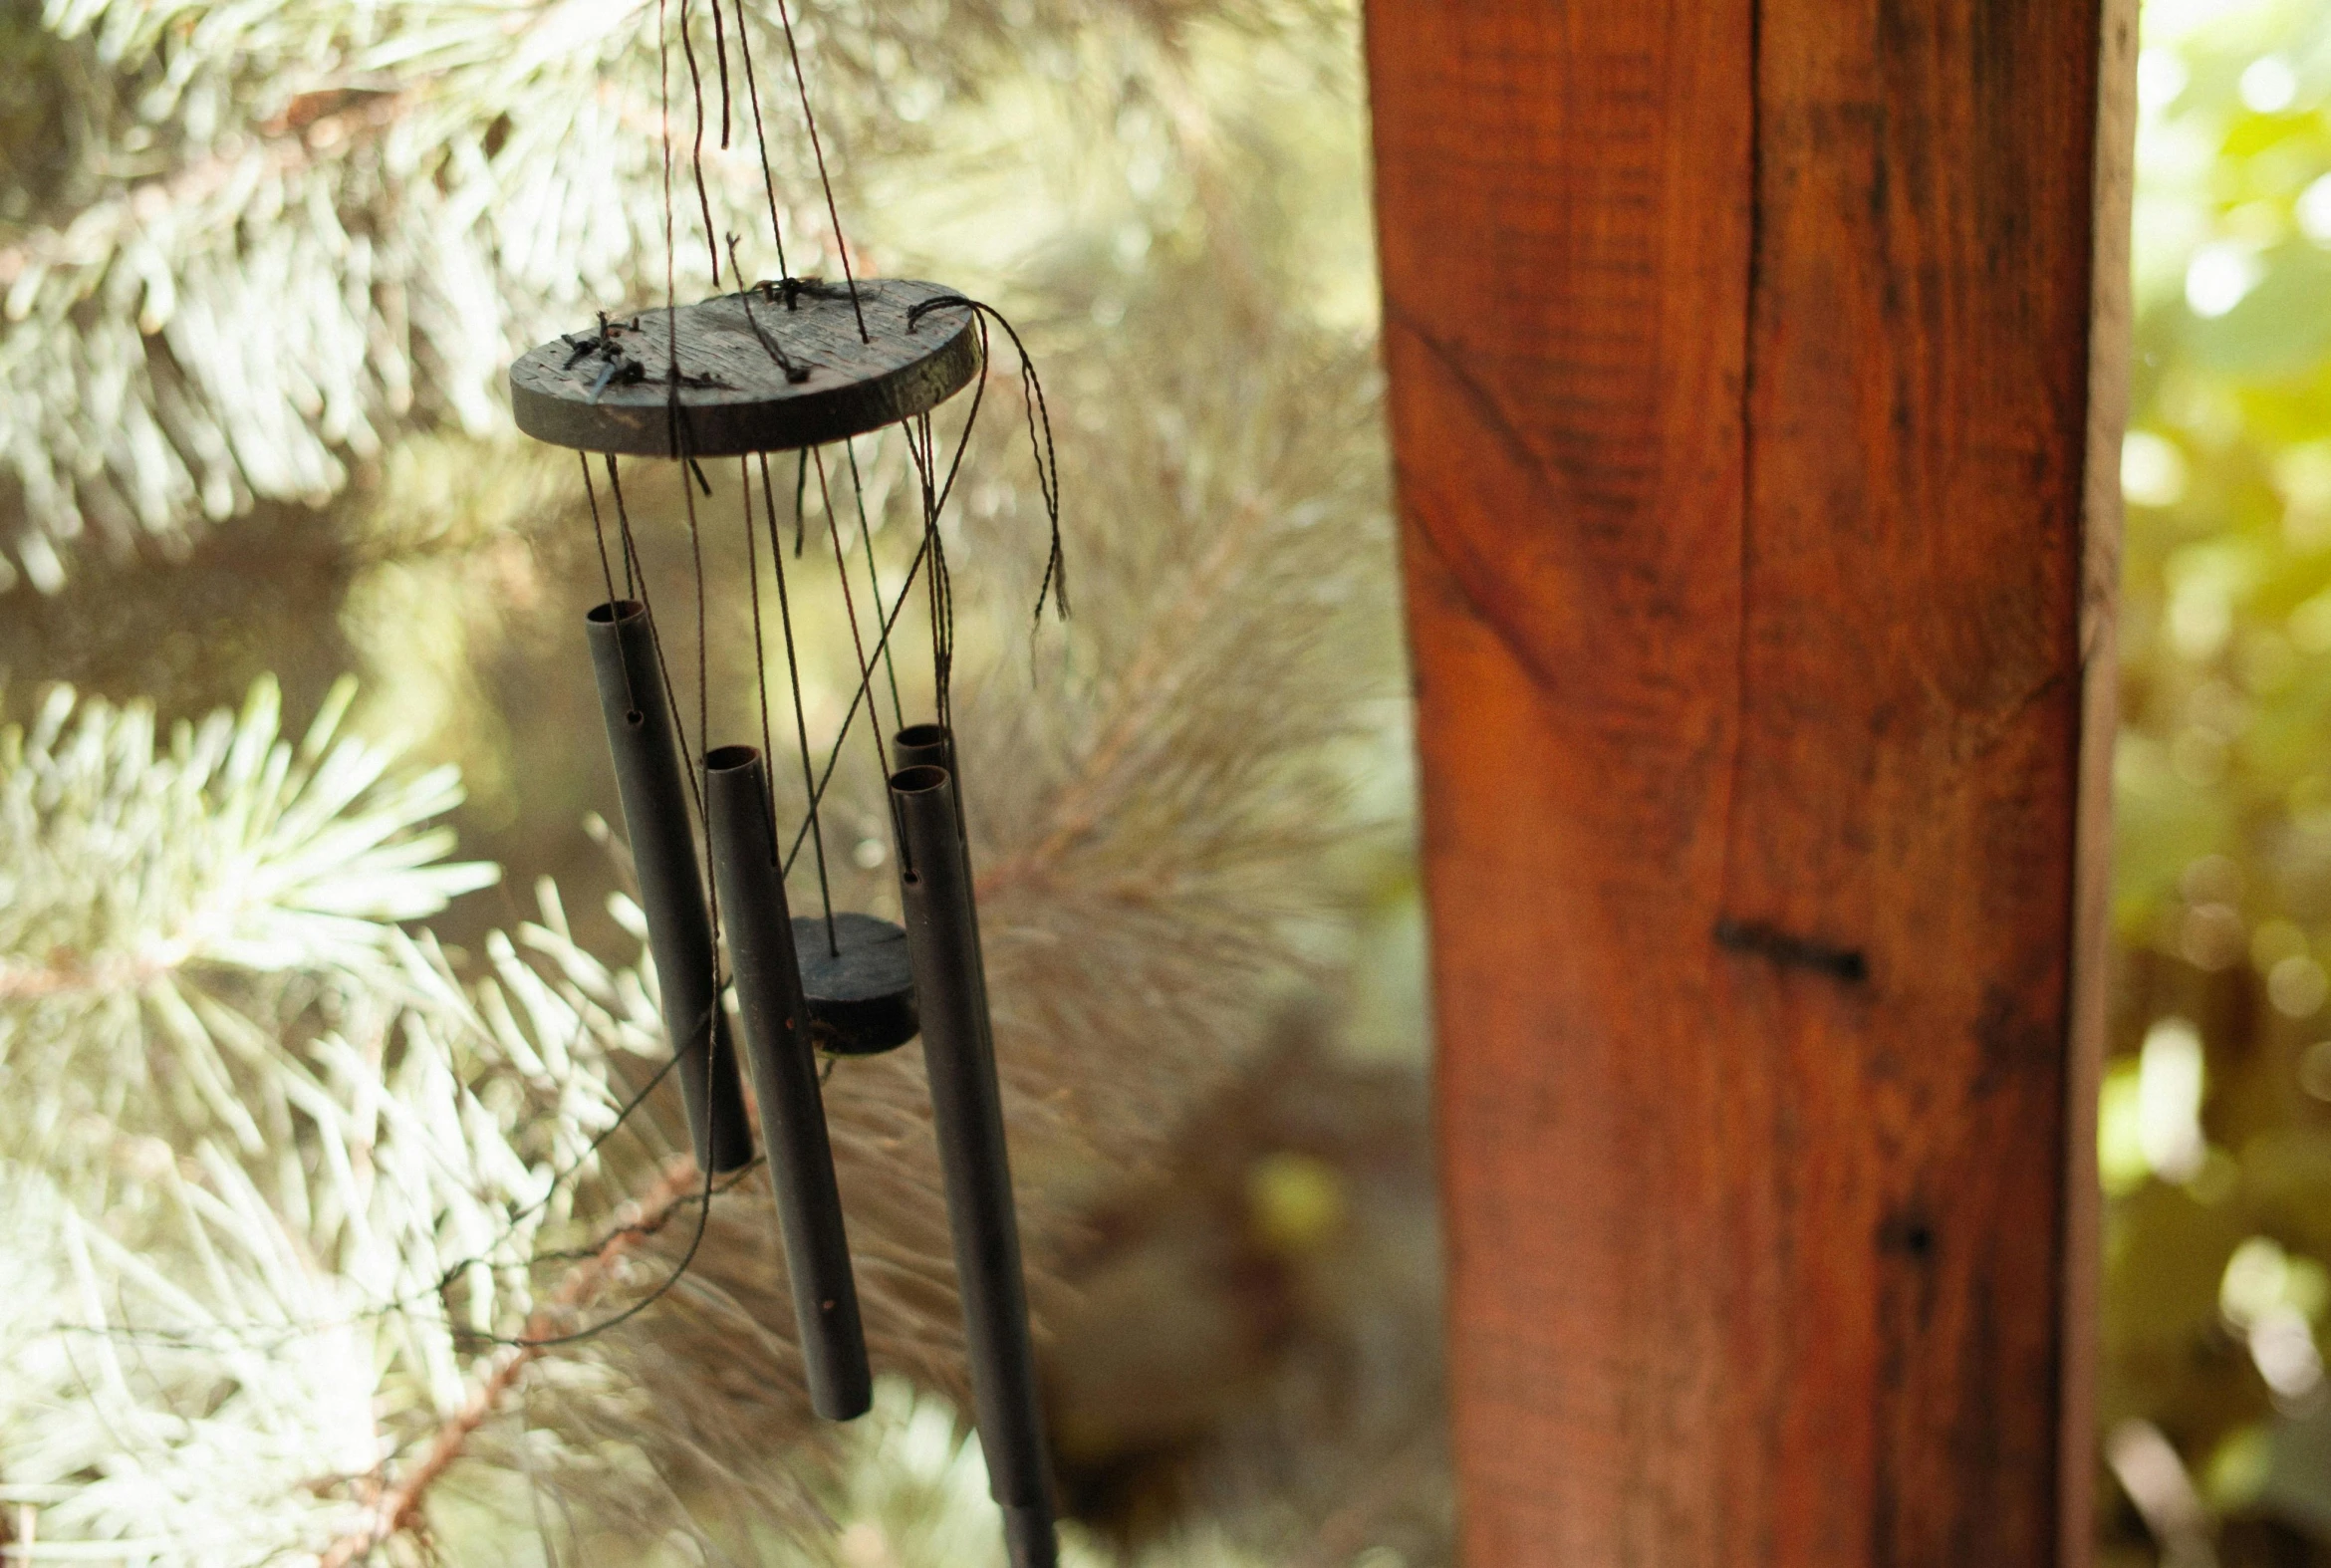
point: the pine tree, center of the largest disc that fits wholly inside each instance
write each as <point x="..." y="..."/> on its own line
<point x="284" y="1176"/>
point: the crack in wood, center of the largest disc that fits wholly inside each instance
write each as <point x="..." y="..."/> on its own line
<point x="1792" y="952"/>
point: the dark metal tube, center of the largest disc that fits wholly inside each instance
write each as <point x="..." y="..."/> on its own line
<point x="924" y="747"/>
<point x="785" y="1077"/>
<point x="671" y="888"/>
<point x="931" y="745"/>
<point x="942" y="937"/>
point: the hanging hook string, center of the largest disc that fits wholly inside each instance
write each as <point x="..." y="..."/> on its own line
<point x="809" y="826"/>
<point x="696" y="89"/>
<point x="663" y="113"/>
<point x="744" y="47"/>
<point x="824" y="182"/>
<point x="721" y="53"/>
<point x="683" y="448"/>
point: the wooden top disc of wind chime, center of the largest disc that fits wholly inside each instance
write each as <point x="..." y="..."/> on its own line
<point x="774" y="367"/>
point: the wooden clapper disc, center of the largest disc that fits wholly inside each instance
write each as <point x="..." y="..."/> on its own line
<point x="861" y="998"/>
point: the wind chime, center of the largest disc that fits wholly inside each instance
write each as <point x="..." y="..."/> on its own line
<point x="799" y="365"/>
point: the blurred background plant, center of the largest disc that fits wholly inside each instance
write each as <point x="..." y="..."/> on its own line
<point x="303" y="1121"/>
<point x="2216" y="1106"/>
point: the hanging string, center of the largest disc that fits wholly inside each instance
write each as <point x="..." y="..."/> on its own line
<point x="934" y="494"/>
<point x="664" y="1286"/>
<point x="873" y="581"/>
<point x="453" y="1273"/>
<point x="849" y="608"/>
<point x="744" y="480"/>
<point x="703" y="761"/>
<point x="639" y="589"/>
<point x="940" y="585"/>
<point x="1040" y="445"/>
<point x="795" y="371"/>
<point x="800" y="498"/>
<point x="809" y="825"/>
<point x="889" y="623"/>
<point x="704" y="652"/>
<point x="942" y="602"/>
<point x="664" y="110"/>
<point x="824" y="778"/>
<point x="703" y="198"/>
<point x="744" y="47"/>
<point x="832" y="213"/>
<point x="634" y="576"/>
<point x="706" y="1026"/>
<point x="622" y="517"/>
<point x="598" y="528"/>
<point x="720" y="52"/>
<point x="276" y="1335"/>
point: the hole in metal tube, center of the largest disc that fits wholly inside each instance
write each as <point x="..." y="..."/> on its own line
<point x="721" y="759"/>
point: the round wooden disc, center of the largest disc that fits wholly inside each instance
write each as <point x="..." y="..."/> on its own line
<point x="861" y="1000"/>
<point x="759" y="372"/>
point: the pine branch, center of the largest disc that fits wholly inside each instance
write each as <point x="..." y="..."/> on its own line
<point x="398" y="1507"/>
<point x="1153" y="677"/>
<point x="153" y="898"/>
<point x="21" y="982"/>
<point x="364" y="212"/>
<point x="289" y="145"/>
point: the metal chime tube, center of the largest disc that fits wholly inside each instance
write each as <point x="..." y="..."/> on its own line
<point x="931" y="745"/>
<point x="752" y="884"/>
<point x="943" y="936"/>
<point x="640" y="734"/>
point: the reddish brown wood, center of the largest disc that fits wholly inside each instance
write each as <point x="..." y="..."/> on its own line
<point x="1739" y="365"/>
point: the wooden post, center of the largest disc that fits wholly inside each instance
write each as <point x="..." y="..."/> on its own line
<point x="1741" y="394"/>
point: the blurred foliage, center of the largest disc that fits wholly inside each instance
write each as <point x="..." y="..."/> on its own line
<point x="2216" y="1131"/>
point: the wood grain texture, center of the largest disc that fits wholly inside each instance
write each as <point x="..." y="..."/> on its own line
<point x="1739" y="357"/>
